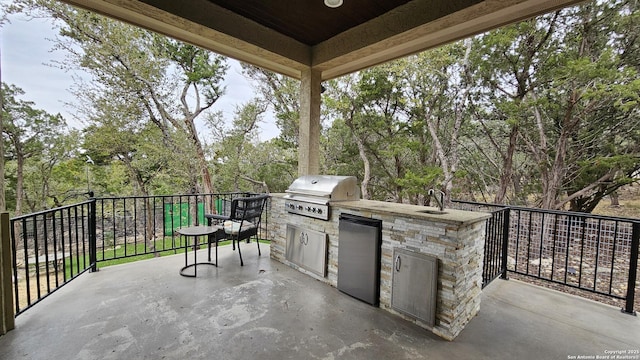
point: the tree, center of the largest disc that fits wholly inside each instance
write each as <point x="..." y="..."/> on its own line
<point x="282" y="93"/>
<point x="371" y="105"/>
<point x="279" y="157"/>
<point x="46" y="184"/>
<point x="28" y="132"/>
<point x="438" y="106"/>
<point x="234" y="152"/>
<point x="606" y="91"/>
<point x="505" y="61"/>
<point x="343" y="100"/>
<point x="405" y="119"/>
<point x="172" y="82"/>
<point x="569" y="111"/>
<point x="136" y="148"/>
<point x="273" y="167"/>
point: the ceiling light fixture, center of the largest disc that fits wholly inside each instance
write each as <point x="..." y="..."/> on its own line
<point x="333" y="3"/>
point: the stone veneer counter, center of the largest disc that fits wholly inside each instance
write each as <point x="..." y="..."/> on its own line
<point x="455" y="238"/>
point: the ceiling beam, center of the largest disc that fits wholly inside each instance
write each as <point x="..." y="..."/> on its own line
<point x="374" y="42"/>
<point x="214" y="28"/>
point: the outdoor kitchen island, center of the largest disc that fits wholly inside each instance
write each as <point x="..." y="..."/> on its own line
<point x="454" y="237"/>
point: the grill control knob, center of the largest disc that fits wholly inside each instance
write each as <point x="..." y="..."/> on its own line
<point x="300" y="207"/>
<point x="308" y="208"/>
<point x="319" y="211"/>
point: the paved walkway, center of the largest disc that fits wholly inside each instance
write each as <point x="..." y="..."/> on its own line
<point x="265" y="310"/>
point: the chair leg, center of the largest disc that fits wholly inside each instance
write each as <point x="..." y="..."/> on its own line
<point x="239" y="253"/>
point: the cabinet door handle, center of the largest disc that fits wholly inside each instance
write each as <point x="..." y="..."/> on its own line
<point x="304" y="238"/>
<point x="397" y="263"/>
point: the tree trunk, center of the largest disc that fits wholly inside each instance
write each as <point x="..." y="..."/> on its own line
<point x="19" y="179"/>
<point x="364" y="187"/>
<point x="506" y="178"/>
<point x="449" y="159"/>
<point x="204" y="167"/>
<point x="615" y="199"/>
<point x="399" y="168"/>
<point x="151" y="231"/>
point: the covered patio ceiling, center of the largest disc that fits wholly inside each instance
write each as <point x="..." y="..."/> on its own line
<point x="292" y="36"/>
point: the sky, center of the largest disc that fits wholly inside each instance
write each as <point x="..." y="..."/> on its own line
<point x="26" y="56"/>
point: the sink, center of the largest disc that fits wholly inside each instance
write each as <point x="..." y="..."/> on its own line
<point x="432" y="212"/>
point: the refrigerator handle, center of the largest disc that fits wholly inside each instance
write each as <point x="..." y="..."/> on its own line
<point x="397" y="263"/>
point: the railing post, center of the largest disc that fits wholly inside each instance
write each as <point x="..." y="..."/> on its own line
<point x="92" y="236"/>
<point x="505" y="242"/>
<point x="6" y="283"/>
<point x="633" y="269"/>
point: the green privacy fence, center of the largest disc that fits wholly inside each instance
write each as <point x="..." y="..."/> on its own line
<point x="177" y="215"/>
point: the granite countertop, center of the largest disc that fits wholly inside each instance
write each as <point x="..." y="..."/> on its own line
<point x="428" y="213"/>
<point x="450" y="216"/>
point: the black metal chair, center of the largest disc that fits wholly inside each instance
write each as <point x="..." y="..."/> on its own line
<point x="242" y="223"/>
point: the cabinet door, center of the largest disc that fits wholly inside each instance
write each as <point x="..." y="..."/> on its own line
<point x="414" y="285"/>
<point x="307" y="249"/>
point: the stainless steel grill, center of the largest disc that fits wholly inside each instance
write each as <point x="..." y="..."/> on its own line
<point x="310" y="195"/>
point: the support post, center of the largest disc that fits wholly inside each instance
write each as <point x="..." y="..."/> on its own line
<point x="633" y="269"/>
<point x="6" y="282"/>
<point x="309" y="131"/>
<point x="505" y="243"/>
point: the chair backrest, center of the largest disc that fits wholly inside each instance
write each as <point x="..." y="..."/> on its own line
<point x="248" y="208"/>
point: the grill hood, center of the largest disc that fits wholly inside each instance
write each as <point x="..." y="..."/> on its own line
<point x="328" y="187"/>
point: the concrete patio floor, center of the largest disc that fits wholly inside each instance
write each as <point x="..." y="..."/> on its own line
<point x="265" y="310"/>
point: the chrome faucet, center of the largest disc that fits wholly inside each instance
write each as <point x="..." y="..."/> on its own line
<point x="438" y="196"/>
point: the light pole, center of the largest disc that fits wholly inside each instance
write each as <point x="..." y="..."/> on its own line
<point x="89" y="160"/>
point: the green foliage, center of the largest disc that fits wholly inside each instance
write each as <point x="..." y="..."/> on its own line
<point x="419" y="182"/>
<point x="545" y="109"/>
<point x="243" y="163"/>
<point x="568" y="108"/>
<point x="140" y="80"/>
<point x="35" y="141"/>
<point x="282" y="94"/>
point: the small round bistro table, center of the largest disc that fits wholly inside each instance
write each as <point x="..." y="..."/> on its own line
<point x="195" y="232"/>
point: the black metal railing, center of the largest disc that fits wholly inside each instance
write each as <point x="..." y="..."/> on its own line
<point x="496" y="238"/>
<point x="598" y="254"/>
<point x="49" y="249"/>
<point x="496" y="245"/>
<point x="592" y="253"/>
<point x="53" y="247"/>
<point x="137" y="225"/>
